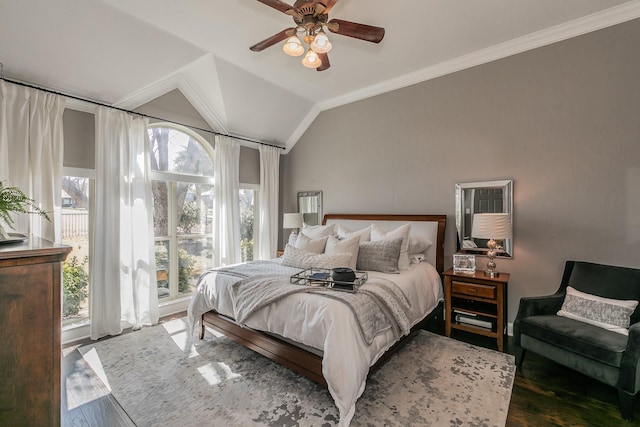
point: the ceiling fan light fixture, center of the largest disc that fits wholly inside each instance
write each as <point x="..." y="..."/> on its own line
<point x="321" y="43"/>
<point x="293" y="46"/>
<point x="311" y="59"/>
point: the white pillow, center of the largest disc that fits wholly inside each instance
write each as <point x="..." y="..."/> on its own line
<point x="299" y="258"/>
<point x="611" y="314"/>
<point x="418" y="244"/>
<point x="343" y="232"/>
<point x="378" y="233"/>
<point x="349" y="245"/>
<point x="316" y="231"/>
<point x="315" y="246"/>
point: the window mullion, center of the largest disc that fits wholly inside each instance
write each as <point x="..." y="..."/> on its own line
<point x="173" y="239"/>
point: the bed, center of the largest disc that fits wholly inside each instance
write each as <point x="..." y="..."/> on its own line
<point x="316" y="336"/>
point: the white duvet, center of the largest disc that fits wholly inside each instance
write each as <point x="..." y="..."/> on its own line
<point x="327" y="325"/>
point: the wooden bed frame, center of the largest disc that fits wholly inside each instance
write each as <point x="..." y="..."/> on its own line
<point x="302" y="361"/>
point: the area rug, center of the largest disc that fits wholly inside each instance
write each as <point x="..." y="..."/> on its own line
<point x="162" y="377"/>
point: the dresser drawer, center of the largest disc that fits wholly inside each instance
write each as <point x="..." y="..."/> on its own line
<point x="474" y="289"/>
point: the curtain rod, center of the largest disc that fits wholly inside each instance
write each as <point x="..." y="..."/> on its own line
<point x="102" y="104"/>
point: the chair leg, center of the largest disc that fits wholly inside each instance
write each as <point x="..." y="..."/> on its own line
<point x="519" y="353"/>
<point x="626" y="404"/>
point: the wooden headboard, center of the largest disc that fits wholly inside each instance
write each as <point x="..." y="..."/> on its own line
<point x="436" y="254"/>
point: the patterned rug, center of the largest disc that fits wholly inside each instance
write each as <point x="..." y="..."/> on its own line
<point x="162" y="377"/>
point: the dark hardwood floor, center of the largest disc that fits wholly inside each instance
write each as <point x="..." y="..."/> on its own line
<point x="548" y="394"/>
<point x="544" y="394"/>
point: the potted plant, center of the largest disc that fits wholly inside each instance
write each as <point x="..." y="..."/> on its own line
<point x="13" y="200"/>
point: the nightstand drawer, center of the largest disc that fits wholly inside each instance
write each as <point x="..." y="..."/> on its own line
<point x="474" y="289"/>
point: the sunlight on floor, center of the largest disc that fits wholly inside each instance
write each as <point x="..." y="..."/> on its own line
<point x="92" y="358"/>
<point x="179" y="331"/>
<point x="213" y="372"/>
<point x="87" y="383"/>
<point x="216" y="373"/>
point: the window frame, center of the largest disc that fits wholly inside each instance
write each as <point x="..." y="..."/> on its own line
<point x="256" y="211"/>
<point x="173" y="179"/>
<point x="74" y="330"/>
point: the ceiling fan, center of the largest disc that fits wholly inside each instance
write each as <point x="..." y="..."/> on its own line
<point x="311" y="17"/>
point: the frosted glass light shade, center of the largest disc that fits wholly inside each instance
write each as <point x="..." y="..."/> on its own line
<point x="292" y="220"/>
<point x="495" y="226"/>
<point x="321" y="43"/>
<point x="293" y="46"/>
<point x="311" y="59"/>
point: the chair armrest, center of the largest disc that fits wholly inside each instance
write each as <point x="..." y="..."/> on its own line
<point x="629" y="368"/>
<point x="536" y="306"/>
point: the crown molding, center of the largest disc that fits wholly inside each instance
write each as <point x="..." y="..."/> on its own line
<point x="596" y="21"/>
<point x="302" y="127"/>
<point x="150" y="92"/>
<point x="186" y="82"/>
<point x="577" y="27"/>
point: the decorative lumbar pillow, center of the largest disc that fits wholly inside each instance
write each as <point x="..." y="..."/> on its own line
<point x="299" y="258"/>
<point x="378" y="233"/>
<point x="311" y="245"/>
<point x="343" y="232"/>
<point x="380" y="255"/>
<point x="610" y="314"/>
<point x="317" y="231"/>
<point x="349" y="245"/>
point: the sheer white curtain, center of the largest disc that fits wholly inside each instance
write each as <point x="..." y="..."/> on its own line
<point x="31" y="150"/>
<point x="268" y="218"/>
<point x="123" y="275"/>
<point x="226" y="164"/>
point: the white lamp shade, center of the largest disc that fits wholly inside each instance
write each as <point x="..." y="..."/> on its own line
<point x="292" y="220"/>
<point x="321" y="43"/>
<point x="311" y="59"/>
<point x="496" y="226"/>
<point x="293" y="46"/>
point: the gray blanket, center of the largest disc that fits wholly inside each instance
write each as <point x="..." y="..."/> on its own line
<point x="378" y="305"/>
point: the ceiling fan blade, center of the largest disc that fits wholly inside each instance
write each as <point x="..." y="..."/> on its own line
<point x="324" y="57"/>
<point x="328" y="5"/>
<point x="268" y="42"/>
<point x="359" y="31"/>
<point x="278" y="5"/>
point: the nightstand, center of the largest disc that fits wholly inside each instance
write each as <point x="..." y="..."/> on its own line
<point x="476" y="303"/>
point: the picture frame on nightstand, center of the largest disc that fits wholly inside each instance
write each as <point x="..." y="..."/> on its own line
<point x="464" y="264"/>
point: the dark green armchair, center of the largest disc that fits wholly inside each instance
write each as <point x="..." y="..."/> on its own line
<point x="604" y="355"/>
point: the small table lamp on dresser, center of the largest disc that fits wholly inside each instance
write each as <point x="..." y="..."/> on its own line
<point x="492" y="226"/>
<point x="292" y="221"/>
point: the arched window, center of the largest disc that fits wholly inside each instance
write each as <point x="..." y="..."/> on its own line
<point x="182" y="173"/>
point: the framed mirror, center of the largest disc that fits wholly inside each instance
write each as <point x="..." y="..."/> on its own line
<point x="481" y="198"/>
<point x="310" y="206"/>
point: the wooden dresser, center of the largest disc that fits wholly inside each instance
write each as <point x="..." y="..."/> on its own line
<point x="30" y="349"/>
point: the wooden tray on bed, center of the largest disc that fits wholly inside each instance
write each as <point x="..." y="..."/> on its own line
<point x="305" y="362"/>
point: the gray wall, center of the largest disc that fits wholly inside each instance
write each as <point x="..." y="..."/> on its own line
<point x="79" y="139"/>
<point x="79" y="133"/>
<point x="562" y="121"/>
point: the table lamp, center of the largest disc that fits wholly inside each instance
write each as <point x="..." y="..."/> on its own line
<point x="492" y="226"/>
<point x="292" y="221"/>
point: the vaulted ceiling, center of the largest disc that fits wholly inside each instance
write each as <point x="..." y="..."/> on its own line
<point x="127" y="53"/>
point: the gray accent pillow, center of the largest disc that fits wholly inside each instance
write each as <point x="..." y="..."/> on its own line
<point x="380" y="255"/>
<point x="613" y="315"/>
